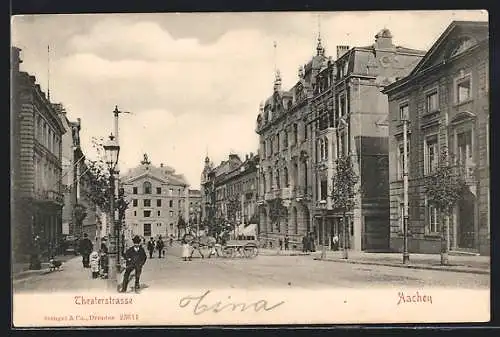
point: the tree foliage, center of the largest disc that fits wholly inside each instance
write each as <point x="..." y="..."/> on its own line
<point x="181" y="223"/>
<point x="446" y="185"/>
<point x="344" y="185"/>
<point x="80" y="213"/>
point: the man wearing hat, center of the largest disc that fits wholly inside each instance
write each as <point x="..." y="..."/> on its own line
<point x="135" y="258"/>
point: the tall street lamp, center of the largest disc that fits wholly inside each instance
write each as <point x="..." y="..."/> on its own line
<point x="112" y="151"/>
<point x="322" y="204"/>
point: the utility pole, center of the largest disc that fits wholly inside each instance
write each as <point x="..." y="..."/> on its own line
<point x="116" y="113"/>
<point x="406" y="255"/>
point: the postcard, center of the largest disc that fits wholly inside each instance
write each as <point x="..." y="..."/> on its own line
<point x="250" y="168"/>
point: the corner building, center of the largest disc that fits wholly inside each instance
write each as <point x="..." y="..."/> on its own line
<point x="447" y="100"/>
<point x="286" y="183"/>
<point x="158" y="199"/>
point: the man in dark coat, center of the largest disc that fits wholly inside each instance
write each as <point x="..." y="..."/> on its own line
<point x="86" y="248"/>
<point x="151" y="247"/>
<point x="160" y="245"/>
<point x="135" y="258"/>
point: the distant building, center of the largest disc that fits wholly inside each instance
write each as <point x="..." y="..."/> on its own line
<point x="195" y="207"/>
<point x="229" y="190"/>
<point x="36" y="133"/>
<point x="446" y="98"/>
<point x="349" y="114"/>
<point x="159" y="198"/>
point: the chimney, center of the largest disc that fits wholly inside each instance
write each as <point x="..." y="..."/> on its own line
<point x="15" y="56"/>
<point x="251" y="154"/>
<point x="341" y="50"/>
<point x="383" y="40"/>
<point x="161" y="164"/>
<point x="246" y="157"/>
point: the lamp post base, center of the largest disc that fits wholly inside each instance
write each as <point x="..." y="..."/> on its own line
<point x="406" y="258"/>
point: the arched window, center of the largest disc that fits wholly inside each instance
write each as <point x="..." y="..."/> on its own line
<point x="326" y="147"/>
<point x="285" y="176"/>
<point x="146" y="187"/>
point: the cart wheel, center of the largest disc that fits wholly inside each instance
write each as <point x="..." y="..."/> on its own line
<point x="250" y="250"/>
<point x="228" y="252"/>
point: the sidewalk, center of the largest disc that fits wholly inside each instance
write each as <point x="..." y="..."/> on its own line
<point x="21" y="270"/>
<point x="277" y="252"/>
<point x="464" y="264"/>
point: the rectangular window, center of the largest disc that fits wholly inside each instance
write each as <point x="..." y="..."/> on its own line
<point x="158" y="213"/>
<point x="463" y="89"/>
<point x="295" y="133"/>
<point x="431" y="102"/>
<point x="158" y="190"/>
<point x="342" y="106"/>
<point x="134" y="190"/>
<point x="432" y="219"/>
<point x="324" y="189"/>
<point x="147" y="229"/>
<point x="430" y="154"/>
<point x="401" y="159"/>
<point x="404" y="112"/>
<point x="147" y="202"/>
<point x="170" y="191"/>
<point x="147" y="214"/>
<point x="134" y="202"/>
<point x="158" y="202"/>
<point x="135" y="213"/>
<point x="171" y="213"/>
<point x="278" y="142"/>
<point x="171" y="203"/>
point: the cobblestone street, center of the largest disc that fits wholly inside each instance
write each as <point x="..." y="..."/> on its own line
<point x="263" y="271"/>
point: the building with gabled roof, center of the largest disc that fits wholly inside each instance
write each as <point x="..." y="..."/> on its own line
<point x="446" y="100"/>
<point x="159" y="198"/>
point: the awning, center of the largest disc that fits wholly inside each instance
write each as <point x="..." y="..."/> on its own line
<point x="249" y="230"/>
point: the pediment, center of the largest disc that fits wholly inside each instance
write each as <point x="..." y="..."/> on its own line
<point x="462" y="116"/>
<point x="457" y="38"/>
<point x="146" y="176"/>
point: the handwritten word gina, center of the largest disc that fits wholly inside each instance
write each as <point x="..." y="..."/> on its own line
<point x="413" y="298"/>
<point x="200" y="305"/>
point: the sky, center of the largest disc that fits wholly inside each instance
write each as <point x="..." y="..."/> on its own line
<point x="193" y="82"/>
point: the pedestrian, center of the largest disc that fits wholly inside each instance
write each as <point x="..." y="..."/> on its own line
<point x="185" y="249"/>
<point x="171" y="240"/>
<point x="86" y="248"/>
<point x="151" y="247"/>
<point x="287" y="242"/>
<point x="160" y="245"/>
<point x="335" y="242"/>
<point x="135" y="258"/>
<point x="94" y="264"/>
<point x="304" y="244"/>
<point x="281" y="244"/>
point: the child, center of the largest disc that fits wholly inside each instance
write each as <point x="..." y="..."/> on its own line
<point x="94" y="264"/>
<point x="186" y="254"/>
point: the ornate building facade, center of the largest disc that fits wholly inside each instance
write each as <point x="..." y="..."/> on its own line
<point x="194" y="207"/>
<point x="350" y="116"/>
<point x="446" y="98"/>
<point x="158" y="198"/>
<point x="36" y="132"/>
<point x="285" y="129"/>
<point x="229" y="190"/>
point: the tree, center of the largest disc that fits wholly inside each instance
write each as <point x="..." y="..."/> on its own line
<point x="344" y="192"/>
<point x="79" y="213"/>
<point x="444" y="188"/>
<point x="277" y="211"/>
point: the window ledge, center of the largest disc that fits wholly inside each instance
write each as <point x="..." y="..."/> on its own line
<point x="430" y="113"/>
<point x="456" y="105"/>
<point x="432" y="236"/>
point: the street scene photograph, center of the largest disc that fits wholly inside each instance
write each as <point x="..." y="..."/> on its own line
<point x="299" y="151"/>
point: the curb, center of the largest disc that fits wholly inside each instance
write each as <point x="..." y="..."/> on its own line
<point x="462" y="270"/>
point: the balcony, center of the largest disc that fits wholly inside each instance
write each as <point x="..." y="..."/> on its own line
<point x="303" y="193"/>
<point x="269" y="196"/>
<point x="49" y="196"/>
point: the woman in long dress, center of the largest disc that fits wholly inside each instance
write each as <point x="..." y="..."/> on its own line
<point x="186" y="249"/>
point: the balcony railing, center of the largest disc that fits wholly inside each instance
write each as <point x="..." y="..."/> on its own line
<point x="49" y="196"/>
<point x="301" y="192"/>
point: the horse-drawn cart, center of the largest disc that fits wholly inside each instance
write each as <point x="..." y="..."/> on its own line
<point x="240" y="248"/>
